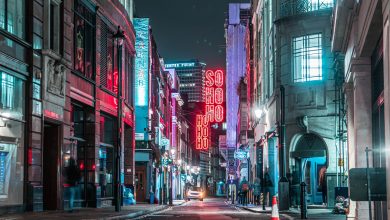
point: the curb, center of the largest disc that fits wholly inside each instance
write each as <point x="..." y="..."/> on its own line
<point x="265" y="211"/>
<point x="140" y="213"/>
<point x="144" y="212"/>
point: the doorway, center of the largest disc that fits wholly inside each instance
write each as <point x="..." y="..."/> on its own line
<point x="140" y="183"/>
<point x="51" y="177"/>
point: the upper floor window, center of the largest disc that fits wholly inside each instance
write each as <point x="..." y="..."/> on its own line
<point x="84" y="40"/>
<point x="12" y="17"/>
<point x="52" y="25"/>
<point x="11" y="87"/>
<point x="129" y="77"/>
<point x="307" y="56"/>
<point x="108" y="59"/>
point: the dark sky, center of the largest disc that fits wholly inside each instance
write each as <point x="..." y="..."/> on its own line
<point x="187" y="29"/>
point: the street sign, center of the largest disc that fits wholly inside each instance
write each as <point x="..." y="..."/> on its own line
<point x="358" y="184"/>
<point x="241" y="154"/>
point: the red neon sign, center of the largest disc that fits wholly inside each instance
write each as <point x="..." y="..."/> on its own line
<point x="202" y="133"/>
<point x="214" y="96"/>
<point x="214" y="111"/>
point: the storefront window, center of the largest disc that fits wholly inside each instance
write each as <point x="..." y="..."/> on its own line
<point x="12" y="17"/>
<point x="106" y="155"/>
<point x="11" y="162"/>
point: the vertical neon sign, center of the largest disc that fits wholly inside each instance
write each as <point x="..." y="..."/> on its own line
<point x="141" y="26"/>
<point x="214" y="111"/>
<point x="214" y="96"/>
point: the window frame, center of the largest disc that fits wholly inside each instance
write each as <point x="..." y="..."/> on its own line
<point x="109" y="34"/>
<point x="91" y="9"/>
<point x="305" y="76"/>
<point x="5" y="29"/>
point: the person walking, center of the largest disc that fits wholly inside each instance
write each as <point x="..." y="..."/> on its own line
<point x="73" y="175"/>
<point x="244" y="187"/>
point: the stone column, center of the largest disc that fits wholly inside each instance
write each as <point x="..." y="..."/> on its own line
<point x="362" y="122"/>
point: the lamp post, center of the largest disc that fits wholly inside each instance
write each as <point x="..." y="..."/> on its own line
<point x="119" y="36"/>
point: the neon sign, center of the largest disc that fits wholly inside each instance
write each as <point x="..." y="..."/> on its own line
<point x="202" y="133"/>
<point x="141" y="26"/>
<point x="214" y="111"/>
<point x="214" y="96"/>
<point x="179" y="65"/>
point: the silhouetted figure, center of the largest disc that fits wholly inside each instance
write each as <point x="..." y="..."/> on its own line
<point x="73" y="175"/>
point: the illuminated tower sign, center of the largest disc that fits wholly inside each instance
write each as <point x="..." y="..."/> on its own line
<point x="214" y="110"/>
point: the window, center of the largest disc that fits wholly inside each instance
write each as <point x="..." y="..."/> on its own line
<point x="307" y="55"/>
<point x="12" y="17"/>
<point x="129" y="74"/>
<point x="108" y="66"/>
<point x="84" y="37"/>
<point x="11" y="88"/>
<point x="52" y="25"/>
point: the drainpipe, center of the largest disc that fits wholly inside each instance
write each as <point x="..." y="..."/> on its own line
<point x="284" y="189"/>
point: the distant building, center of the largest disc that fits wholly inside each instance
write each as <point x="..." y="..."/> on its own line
<point x="191" y="75"/>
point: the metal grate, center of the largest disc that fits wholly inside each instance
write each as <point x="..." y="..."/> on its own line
<point x="103" y="54"/>
<point x="295" y="7"/>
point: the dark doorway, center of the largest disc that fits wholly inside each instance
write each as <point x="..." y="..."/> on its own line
<point x="51" y="180"/>
<point x="140" y="183"/>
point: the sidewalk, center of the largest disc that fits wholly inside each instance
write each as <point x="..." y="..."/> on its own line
<point x="127" y="212"/>
<point x="312" y="212"/>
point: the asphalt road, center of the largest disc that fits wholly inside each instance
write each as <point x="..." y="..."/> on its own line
<point x="209" y="209"/>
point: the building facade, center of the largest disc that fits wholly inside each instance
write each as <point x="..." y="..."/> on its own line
<point x="361" y="34"/>
<point x="294" y="82"/>
<point x="62" y="59"/>
<point x="235" y="33"/>
<point x="191" y="74"/>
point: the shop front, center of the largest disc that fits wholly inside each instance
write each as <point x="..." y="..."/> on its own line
<point x="12" y="129"/>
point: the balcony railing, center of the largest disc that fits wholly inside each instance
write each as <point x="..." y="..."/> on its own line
<point x="296" y="7"/>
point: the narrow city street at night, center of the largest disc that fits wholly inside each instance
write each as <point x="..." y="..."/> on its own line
<point x="194" y="109"/>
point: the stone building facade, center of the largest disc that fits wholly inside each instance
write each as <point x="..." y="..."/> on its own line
<point x="291" y="48"/>
<point x="59" y="89"/>
<point x="361" y="34"/>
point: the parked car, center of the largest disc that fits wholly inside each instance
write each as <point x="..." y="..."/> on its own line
<point x="195" y="192"/>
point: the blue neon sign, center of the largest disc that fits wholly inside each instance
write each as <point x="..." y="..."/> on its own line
<point x="141" y="26"/>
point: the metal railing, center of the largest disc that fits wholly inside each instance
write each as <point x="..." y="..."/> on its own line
<point x="296" y="7"/>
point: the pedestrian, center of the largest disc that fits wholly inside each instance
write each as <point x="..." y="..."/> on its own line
<point x="244" y="187"/>
<point x="322" y="185"/>
<point x="268" y="186"/>
<point x="73" y="175"/>
<point x="256" y="191"/>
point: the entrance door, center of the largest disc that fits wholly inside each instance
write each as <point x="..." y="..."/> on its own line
<point x="140" y="183"/>
<point x="51" y="177"/>
<point x="313" y="168"/>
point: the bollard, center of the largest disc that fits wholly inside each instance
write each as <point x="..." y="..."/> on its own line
<point x="160" y="201"/>
<point x="303" y="201"/>
<point x="170" y="196"/>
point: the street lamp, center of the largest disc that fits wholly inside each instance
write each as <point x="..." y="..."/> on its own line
<point x="258" y="113"/>
<point x="119" y="36"/>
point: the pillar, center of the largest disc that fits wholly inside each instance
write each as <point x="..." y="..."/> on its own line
<point x="362" y="123"/>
